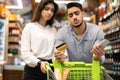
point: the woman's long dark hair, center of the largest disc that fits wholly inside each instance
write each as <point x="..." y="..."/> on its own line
<point x="39" y="9"/>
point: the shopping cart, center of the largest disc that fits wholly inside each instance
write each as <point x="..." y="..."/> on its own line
<point x="80" y="70"/>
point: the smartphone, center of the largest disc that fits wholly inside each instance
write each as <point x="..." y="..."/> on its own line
<point x="104" y="43"/>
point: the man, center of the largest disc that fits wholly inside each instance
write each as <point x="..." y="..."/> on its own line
<point x="81" y="38"/>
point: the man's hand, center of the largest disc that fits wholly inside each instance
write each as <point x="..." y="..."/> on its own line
<point x="60" y="56"/>
<point x="98" y="51"/>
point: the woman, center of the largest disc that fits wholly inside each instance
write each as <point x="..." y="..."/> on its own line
<point x="38" y="41"/>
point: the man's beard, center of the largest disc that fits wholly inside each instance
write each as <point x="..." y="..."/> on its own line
<point x="79" y="25"/>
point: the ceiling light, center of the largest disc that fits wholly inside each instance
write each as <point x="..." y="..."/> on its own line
<point x="65" y="2"/>
<point x="87" y="18"/>
<point x="19" y="6"/>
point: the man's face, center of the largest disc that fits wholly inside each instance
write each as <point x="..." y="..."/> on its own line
<point x="75" y="16"/>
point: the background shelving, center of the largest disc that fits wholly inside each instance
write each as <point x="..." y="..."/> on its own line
<point x="14" y="39"/>
<point x="112" y="62"/>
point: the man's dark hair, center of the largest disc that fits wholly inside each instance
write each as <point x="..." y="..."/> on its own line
<point x="39" y="9"/>
<point x="74" y="4"/>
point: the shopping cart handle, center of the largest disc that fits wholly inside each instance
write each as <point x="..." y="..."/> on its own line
<point x="95" y="69"/>
<point x="48" y="67"/>
<point x="52" y="65"/>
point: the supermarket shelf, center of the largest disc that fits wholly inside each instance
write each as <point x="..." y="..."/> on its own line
<point x="113" y="72"/>
<point x="14" y="67"/>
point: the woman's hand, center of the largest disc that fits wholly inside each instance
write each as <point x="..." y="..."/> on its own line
<point x="60" y="56"/>
<point x="98" y="51"/>
<point x="43" y="66"/>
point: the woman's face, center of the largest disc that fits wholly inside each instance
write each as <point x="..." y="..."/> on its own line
<point x="47" y="12"/>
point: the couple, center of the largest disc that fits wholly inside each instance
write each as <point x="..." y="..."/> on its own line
<point x="39" y="38"/>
